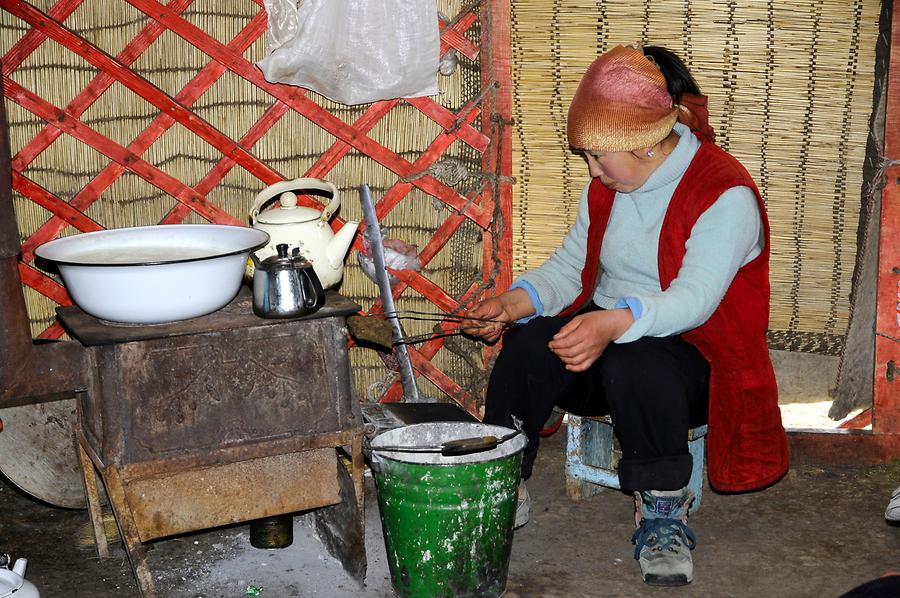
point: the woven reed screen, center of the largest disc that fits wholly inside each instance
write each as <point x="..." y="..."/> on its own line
<point x="790" y="86"/>
<point x="126" y="113"/>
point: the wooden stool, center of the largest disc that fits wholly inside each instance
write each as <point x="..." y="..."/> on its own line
<point x="591" y="457"/>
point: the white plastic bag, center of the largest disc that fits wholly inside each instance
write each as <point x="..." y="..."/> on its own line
<point x="398" y="255"/>
<point x="354" y="51"/>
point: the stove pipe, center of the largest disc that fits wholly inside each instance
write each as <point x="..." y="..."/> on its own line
<point x="29" y="373"/>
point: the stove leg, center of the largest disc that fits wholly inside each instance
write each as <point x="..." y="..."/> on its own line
<point x="358" y="465"/>
<point x="137" y="554"/>
<point x="89" y="476"/>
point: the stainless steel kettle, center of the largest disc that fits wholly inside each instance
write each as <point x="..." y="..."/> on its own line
<point x="285" y="286"/>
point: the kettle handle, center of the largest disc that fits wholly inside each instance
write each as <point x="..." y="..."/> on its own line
<point x="314" y="294"/>
<point x="271" y="192"/>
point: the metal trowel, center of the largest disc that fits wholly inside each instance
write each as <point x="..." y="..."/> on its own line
<point x="453" y="448"/>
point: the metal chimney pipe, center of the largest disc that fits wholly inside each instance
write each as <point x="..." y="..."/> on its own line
<point x="29" y="373"/>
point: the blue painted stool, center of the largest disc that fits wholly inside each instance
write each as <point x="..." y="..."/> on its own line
<point x="591" y="457"/>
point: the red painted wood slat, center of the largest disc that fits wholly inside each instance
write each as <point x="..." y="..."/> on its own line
<point x="455" y="36"/>
<point x="108" y="147"/>
<point x="444" y="382"/>
<point x="34" y="38"/>
<point x="426" y="287"/>
<point x="140" y="86"/>
<point x="330" y="157"/>
<point x="43" y="284"/>
<point x="428" y="157"/>
<point x="195" y="89"/>
<point x="443" y="234"/>
<point x="51" y="202"/>
<point x="218" y="172"/>
<point x="458" y="125"/>
<point x="92" y="92"/>
<point x="296" y="98"/>
<point x="52" y="332"/>
<point x="497" y="241"/>
<point x="886" y="404"/>
<point x="859" y="422"/>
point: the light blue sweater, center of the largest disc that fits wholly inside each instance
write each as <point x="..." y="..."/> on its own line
<point x="725" y="237"/>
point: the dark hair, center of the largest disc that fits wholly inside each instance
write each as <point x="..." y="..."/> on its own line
<point x="678" y="78"/>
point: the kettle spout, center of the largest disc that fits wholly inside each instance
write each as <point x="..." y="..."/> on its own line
<point x="254" y="259"/>
<point x="340" y="243"/>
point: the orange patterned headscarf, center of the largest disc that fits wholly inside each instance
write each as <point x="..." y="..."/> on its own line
<point x="623" y="104"/>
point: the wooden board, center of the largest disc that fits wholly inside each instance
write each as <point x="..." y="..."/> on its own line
<point x="237" y="314"/>
<point x="37" y="452"/>
<point x="230" y="493"/>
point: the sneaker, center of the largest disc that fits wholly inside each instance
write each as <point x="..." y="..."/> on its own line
<point x="663" y="542"/>
<point x="892" y="513"/>
<point x="523" y="506"/>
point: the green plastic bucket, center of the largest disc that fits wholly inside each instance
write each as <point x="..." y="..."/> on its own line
<point x="447" y="520"/>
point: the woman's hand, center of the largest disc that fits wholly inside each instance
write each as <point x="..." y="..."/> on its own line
<point x="581" y="341"/>
<point x="490" y="316"/>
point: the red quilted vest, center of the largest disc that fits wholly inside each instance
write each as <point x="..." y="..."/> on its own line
<point x="746" y="445"/>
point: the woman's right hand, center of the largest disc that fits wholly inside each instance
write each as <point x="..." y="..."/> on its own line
<point x="488" y="317"/>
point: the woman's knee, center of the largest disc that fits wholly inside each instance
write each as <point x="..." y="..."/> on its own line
<point x="641" y="369"/>
<point x="529" y="341"/>
<point x="646" y="372"/>
<point x="627" y="362"/>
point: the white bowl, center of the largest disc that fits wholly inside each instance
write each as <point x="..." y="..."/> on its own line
<point x="154" y="274"/>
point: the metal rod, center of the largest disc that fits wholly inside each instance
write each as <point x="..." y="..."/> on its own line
<point x="428" y="336"/>
<point x="425" y="316"/>
<point x="373" y="229"/>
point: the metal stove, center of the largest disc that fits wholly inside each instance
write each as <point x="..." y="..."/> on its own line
<point x="221" y="419"/>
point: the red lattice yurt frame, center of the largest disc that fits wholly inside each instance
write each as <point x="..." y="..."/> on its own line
<point x="477" y="32"/>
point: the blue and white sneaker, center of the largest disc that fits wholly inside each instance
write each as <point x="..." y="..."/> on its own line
<point x="663" y="542"/>
<point x="523" y="506"/>
<point x="892" y="513"/>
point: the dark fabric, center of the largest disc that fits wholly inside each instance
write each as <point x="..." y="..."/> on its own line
<point x="883" y="587"/>
<point x="655" y="389"/>
<point x="747" y="445"/>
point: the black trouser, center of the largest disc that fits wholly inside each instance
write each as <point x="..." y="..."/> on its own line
<point x="654" y="389"/>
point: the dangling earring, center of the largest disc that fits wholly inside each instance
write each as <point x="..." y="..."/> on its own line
<point x="650" y="153"/>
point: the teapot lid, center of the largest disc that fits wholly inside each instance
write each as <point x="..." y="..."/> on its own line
<point x="282" y="260"/>
<point x="289" y="212"/>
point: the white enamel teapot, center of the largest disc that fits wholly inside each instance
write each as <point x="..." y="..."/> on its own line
<point x="13" y="582"/>
<point x="304" y="228"/>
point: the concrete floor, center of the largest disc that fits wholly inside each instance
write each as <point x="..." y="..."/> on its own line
<point x="818" y="532"/>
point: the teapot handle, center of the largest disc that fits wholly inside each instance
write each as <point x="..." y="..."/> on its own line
<point x="272" y="192"/>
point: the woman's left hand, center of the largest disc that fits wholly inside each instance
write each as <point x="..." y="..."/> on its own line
<point x="582" y="340"/>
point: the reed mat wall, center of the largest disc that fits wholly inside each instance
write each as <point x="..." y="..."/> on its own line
<point x="790" y="88"/>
